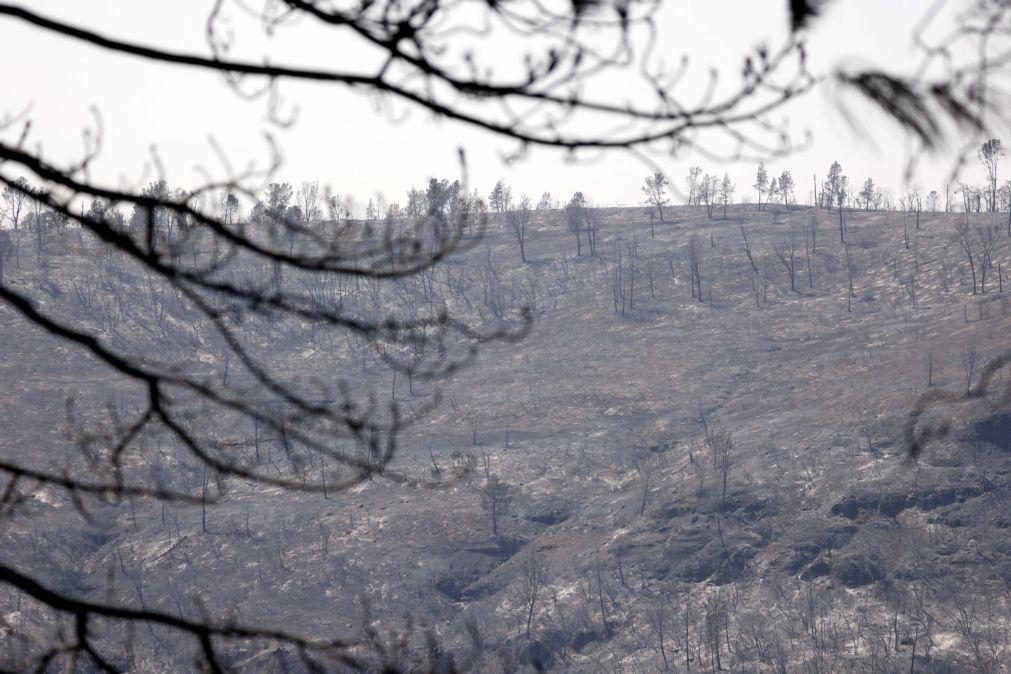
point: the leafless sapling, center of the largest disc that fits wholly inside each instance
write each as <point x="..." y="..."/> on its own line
<point x="970" y="360"/>
<point x="534" y="572"/>
<point x="16" y="196"/>
<point x="695" y="266"/>
<point x="809" y="234"/>
<point x="786" y="251"/>
<point x="661" y="622"/>
<point x="966" y="241"/>
<point x="496" y="498"/>
<point x="850" y="273"/>
<point x="989" y="245"/>
<point x="692" y="183"/>
<point x="747" y="248"/>
<point x="519" y="220"/>
<point x="308" y="197"/>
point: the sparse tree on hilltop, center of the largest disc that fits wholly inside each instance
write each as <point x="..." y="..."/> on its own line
<point x="773" y="190"/>
<point x="990" y="154"/>
<point x="575" y="217"/>
<point x="932" y="201"/>
<point x="229" y="207"/>
<point x="277" y="201"/>
<point x="417" y="203"/>
<point x="867" y="194"/>
<point x="655" y="189"/>
<point x="726" y="192"/>
<point x="500" y="197"/>
<point x="157" y="218"/>
<point x="830" y="188"/>
<point x="761" y="183"/>
<point x="308" y="199"/>
<point x="692" y="182"/>
<point x="786" y="187"/>
<point x="442" y="196"/>
<point x="708" y="192"/>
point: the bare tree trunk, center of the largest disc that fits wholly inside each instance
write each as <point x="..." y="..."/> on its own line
<point x="747" y="248"/>
<point x="849" y="273"/>
<point x="807" y="258"/>
<point x="600" y="597"/>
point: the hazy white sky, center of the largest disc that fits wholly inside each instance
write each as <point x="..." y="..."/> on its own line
<point x="341" y="139"/>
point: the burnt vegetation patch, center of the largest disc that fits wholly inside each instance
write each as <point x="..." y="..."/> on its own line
<point x="994" y="431"/>
<point x="872" y="504"/>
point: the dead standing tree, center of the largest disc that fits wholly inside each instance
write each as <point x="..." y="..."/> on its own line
<point x="786" y="251"/>
<point x="624" y="270"/>
<point x="308" y="197"/>
<point x="970" y="361"/>
<point x="15" y="198"/>
<point x="695" y="266"/>
<point x="708" y="193"/>
<point x="989" y="242"/>
<point x="967" y="242"/>
<point x="747" y="248"/>
<point x="810" y="241"/>
<point x="851" y="270"/>
<point x="591" y="225"/>
<point x="534" y="572"/>
<point x="721" y="444"/>
<point x="496" y="499"/>
<point x="519" y="220"/>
